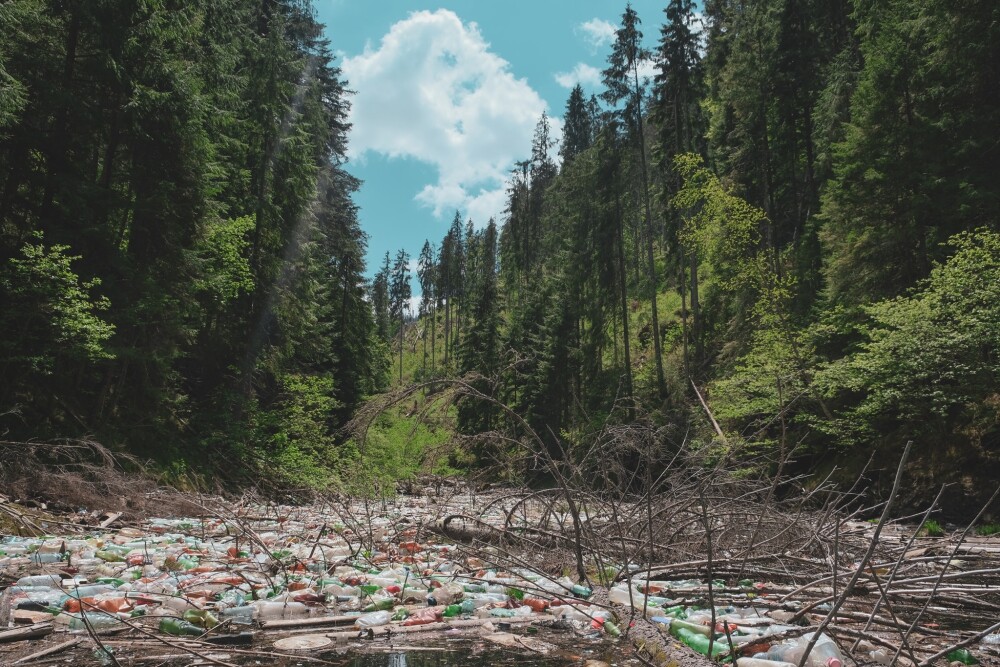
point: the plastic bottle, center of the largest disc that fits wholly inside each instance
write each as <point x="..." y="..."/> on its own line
<point x="98" y="621"/>
<point x="499" y="612"/>
<point x="418" y="594"/>
<point x="373" y="620"/>
<point x="696" y="628"/>
<point x="760" y="662"/>
<point x="880" y="656"/>
<point x="963" y="656"/>
<point x="274" y="610"/>
<point x="47" y="580"/>
<point x="89" y="591"/>
<point x="568" y="612"/>
<point x="824" y="654"/>
<point x="179" y="627"/>
<point x="239" y="615"/>
<point x="449" y="593"/>
<point x="992" y="640"/>
<point x="424" y="616"/>
<point x="201" y="617"/>
<point x="380" y="604"/>
<point x="697" y="641"/>
<point x="536" y="604"/>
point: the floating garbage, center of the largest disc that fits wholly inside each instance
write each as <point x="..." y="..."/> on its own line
<point x="222" y="580"/>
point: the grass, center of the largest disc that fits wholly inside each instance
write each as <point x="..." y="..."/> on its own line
<point x="931" y="528"/>
<point x="987" y="529"/>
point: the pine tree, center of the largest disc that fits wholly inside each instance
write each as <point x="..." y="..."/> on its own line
<point x="426" y="270"/>
<point x="399" y="297"/>
<point x="578" y="130"/>
<point x="380" y="299"/>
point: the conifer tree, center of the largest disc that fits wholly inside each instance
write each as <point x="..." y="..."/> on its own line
<point x="578" y="130"/>
<point x="426" y="270"/>
<point x="399" y="297"/>
<point x="380" y="299"/>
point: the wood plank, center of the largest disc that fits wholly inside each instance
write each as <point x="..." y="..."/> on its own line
<point x="28" y="632"/>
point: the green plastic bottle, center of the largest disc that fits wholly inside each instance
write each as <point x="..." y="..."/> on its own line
<point x="110" y="580"/>
<point x="201" y="617"/>
<point x="452" y="611"/>
<point x="612" y="629"/>
<point x="380" y="605"/>
<point x="401" y="614"/>
<point x="179" y="627"/>
<point x="679" y="624"/>
<point x="108" y="556"/>
<point x="963" y="656"/>
<point x="582" y="591"/>
<point x="369" y="589"/>
<point x="696" y="641"/>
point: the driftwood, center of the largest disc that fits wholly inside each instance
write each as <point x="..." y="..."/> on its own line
<point x="26" y="632"/>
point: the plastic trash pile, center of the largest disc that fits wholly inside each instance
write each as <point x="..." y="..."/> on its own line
<point x="233" y="580"/>
<point x="190" y="577"/>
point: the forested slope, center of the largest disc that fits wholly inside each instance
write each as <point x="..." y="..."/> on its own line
<point x="798" y="219"/>
<point x="181" y="266"/>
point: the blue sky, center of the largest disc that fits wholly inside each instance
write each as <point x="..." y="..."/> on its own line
<point x="448" y="96"/>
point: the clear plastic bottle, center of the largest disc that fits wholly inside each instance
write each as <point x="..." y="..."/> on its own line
<point x="824" y="654"/>
<point x="98" y="621"/>
<point x="240" y="615"/>
<point x="373" y="620"/>
<point x="760" y="662"/>
<point x="267" y="611"/>
<point x="47" y="580"/>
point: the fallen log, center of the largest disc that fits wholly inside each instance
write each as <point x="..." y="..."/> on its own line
<point x="27" y="632"/>
<point x="307" y="622"/>
<point x="388" y="630"/>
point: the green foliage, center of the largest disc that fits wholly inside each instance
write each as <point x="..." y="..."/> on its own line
<point x="932" y="354"/>
<point x="720" y="226"/>
<point x="225" y="253"/>
<point x="399" y="445"/>
<point x="49" y="313"/>
<point x="191" y="155"/>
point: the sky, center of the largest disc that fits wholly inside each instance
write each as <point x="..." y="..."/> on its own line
<point x="447" y="97"/>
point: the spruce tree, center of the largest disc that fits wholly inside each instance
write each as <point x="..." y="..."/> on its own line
<point x="399" y="298"/>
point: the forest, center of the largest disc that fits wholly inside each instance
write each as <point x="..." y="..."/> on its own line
<point x="782" y="251"/>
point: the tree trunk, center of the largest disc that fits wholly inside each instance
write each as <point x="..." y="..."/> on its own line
<point x="653" y="281"/>
<point x="624" y="298"/>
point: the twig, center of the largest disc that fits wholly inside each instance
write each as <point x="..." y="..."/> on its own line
<point x="871" y="550"/>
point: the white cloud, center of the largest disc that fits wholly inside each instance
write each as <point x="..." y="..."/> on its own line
<point x="598" y="33"/>
<point x="432" y="90"/>
<point x="582" y="74"/>
<point x="647" y="70"/>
